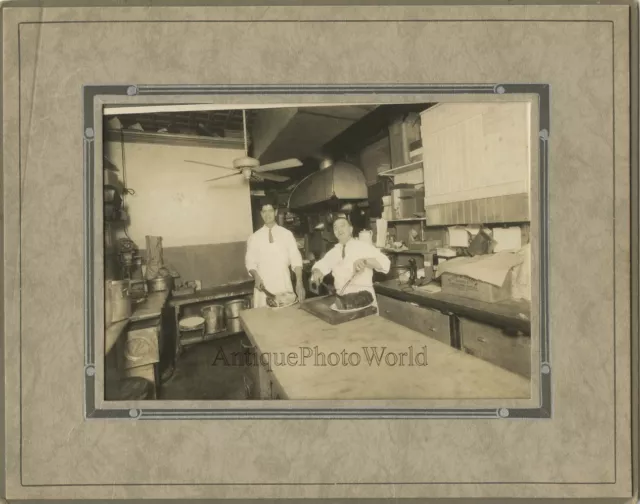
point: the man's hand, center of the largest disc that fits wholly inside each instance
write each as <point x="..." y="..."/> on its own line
<point x="257" y="279"/>
<point x="360" y="265"/>
<point x="317" y="276"/>
<point x="300" y="291"/>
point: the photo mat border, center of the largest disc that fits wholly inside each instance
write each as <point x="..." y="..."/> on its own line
<point x="92" y="92"/>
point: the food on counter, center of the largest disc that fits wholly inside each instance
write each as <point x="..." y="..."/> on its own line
<point x="354" y="300"/>
<point x="282" y="299"/>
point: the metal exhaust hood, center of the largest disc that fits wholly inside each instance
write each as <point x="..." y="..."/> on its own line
<point x="341" y="180"/>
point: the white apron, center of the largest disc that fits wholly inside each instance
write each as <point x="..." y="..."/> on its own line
<point x="273" y="268"/>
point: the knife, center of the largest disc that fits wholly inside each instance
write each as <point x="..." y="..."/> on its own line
<point x="348" y="282"/>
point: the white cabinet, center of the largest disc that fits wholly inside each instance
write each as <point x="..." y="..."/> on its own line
<point x="475" y="152"/>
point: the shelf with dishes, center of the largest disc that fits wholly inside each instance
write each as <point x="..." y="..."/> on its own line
<point x="211" y="322"/>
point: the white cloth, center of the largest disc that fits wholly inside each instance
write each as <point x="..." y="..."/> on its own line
<point x="342" y="269"/>
<point x="272" y="260"/>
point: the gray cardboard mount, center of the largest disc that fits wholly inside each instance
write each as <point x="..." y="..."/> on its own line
<point x="573" y="440"/>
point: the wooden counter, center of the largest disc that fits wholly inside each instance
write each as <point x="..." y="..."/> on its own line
<point x="449" y="373"/>
<point x="510" y="314"/>
<point x="112" y="334"/>
<point x="148" y="309"/>
<point x="151" y="307"/>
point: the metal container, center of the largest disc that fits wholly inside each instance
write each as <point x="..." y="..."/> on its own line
<point x="117" y="301"/>
<point x="233" y="308"/>
<point x="214" y="318"/>
<point x="161" y="283"/>
<point x="234" y="326"/>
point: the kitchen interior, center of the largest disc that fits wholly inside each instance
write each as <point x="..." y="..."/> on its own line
<point x="442" y="189"/>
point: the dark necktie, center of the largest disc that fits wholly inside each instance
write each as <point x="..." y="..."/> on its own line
<point x="343" y="248"/>
<point x="270" y="236"/>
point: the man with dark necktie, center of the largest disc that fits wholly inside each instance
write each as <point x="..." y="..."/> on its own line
<point x="350" y="257"/>
<point x="271" y="252"/>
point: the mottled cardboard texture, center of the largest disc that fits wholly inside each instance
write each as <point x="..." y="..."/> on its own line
<point x="583" y="451"/>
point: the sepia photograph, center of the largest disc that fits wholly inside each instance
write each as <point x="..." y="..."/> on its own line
<point x="330" y="252"/>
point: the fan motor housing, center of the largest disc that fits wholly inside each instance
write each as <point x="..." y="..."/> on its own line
<point x="245" y="162"/>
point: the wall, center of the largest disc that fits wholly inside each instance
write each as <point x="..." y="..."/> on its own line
<point x="204" y="225"/>
<point x="477" y="162"/>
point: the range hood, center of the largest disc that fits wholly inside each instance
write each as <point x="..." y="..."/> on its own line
<point x="342" y="181"/>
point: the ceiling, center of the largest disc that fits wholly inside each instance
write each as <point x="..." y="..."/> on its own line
<point x="279" y="134"/>
<point x="217" y="123"/>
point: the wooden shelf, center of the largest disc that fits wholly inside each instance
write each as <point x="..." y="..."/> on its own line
<point x="400" y="169"/>
<point x="172" y="139"/>
<point x="207" y="337"/>
<point x="404" y="251"/>
<point x="410" y="219"/>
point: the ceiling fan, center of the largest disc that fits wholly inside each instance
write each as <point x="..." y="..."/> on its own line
<point x="250" y="167"/>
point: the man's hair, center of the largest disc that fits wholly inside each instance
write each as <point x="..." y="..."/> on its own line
<point x="271" y="201"/>
<point x="344" y="219"/>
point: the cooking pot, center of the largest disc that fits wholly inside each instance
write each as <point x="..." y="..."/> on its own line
<point x="161" y="283"/>
<point x="214" y="318"/>
<point x="234" y="326"/>
<point x="233" y="308"/>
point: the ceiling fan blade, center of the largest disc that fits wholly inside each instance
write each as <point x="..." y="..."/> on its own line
<point x="224" y="176"/>
<point x="279" y="165"/>
<point x="272" y="177"/>
<point x="209" y="164"/>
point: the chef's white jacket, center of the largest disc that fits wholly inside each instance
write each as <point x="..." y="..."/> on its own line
<point x="342" y="268"/>
<point x="272" y="260"/>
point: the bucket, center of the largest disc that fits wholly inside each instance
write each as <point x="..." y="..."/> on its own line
<point x="233" y="308"/>
<point x="213" y="318"/>
<point x="234" y="326"/>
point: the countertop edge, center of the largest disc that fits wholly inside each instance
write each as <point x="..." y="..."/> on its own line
<point x="492" y="318"/>
<point x="113" y="333"/>
<point x="136" y="317"/>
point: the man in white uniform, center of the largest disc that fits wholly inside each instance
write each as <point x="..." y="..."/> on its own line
<point x="350" y="256"/>
<point x="271" y="251"/>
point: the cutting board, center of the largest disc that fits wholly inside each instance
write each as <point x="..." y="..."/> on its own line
<point x="321" y="308"/>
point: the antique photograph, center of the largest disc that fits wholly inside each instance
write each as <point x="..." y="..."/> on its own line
<point x="351" y="251"/>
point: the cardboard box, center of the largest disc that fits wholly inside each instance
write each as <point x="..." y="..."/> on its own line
<point x="464" y="286"/>
<point x="404" y="203"/>
<point x="426" y="246"/>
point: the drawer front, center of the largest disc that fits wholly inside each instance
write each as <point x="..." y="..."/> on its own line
<point x="429" y="322"/>
<point x="268" y="387"/>
<point x="265" y="387"/>
<point x="491" y="344"/>
<point x="251" y="376"/>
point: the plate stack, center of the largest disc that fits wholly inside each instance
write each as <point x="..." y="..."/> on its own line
<point x="191" y="329"/>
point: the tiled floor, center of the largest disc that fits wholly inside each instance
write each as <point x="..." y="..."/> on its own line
<point x="208" y="371"/>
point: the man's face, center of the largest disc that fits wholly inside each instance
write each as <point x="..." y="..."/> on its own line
<point x="343" y="230"/>
<point x="268" y="214"/>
